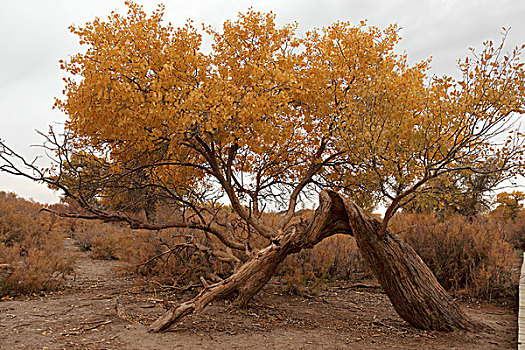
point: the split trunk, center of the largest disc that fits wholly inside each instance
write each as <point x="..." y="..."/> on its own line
<point x="412" y="288"/>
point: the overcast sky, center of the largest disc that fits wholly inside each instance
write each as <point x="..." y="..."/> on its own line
<point x="34" y="36"/>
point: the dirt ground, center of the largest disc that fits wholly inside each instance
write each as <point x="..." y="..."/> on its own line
<point x="343" y="316"/>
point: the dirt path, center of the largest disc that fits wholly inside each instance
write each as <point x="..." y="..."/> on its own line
<point x="341" y="317"/>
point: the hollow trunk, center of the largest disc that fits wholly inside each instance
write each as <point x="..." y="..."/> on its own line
<point x="412" y="288"/>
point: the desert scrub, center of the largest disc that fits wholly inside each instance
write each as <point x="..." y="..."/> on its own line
<point x="469" y="255"/>
<point x="101" y="239"/>
<point x="167" y="257"/>
<point x="335" y="258"/>
<point x="33" y="243"/>
<point x="171" y="256"/>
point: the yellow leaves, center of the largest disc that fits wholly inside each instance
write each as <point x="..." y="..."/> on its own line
<point x="509" y="204"/>
<point x="278" y="95"/>
<point x="121" y="77"/>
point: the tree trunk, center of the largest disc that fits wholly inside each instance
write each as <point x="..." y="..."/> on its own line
<point x="6" y="270"/>
<point x="412" y="288"/>
<point x="247" y="281"/>
<point x="328" y="219"/>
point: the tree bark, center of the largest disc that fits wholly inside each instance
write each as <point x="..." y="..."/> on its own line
<point x="412" y="288"/>
<point x="328" y="219"/>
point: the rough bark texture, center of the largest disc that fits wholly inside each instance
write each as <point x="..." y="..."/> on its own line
<point x="328" y="219"/>
<point x="6" y="270"/>
<point x="412" y="288"/>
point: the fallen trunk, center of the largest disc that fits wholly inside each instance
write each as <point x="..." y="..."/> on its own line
<point x="412" y="288"/>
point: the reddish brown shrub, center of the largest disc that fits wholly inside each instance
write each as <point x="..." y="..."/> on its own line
<point x="469" y="255"/>
<point x="512" y="228"/>
<point x="101" y="239"/>
<point x="168" y="257"/>
<point x="33" y="243"/>
<point x="335" y="258"/>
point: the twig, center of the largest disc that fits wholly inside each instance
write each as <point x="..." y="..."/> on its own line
<point x="97" y="325"/>
<point x="120" y="310"/>
<point x="160" y="301"/>
<point x="92" y="322"/>
<point x="173" y="287"/>
<point x="171" y="250"/>
<point x="204" y="283"/>
<point x="359" y="285"/>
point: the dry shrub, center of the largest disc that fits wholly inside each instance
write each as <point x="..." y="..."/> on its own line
<point x="33" y="243"/>
<point x="512" y="228"/>
<point x="142" y="253"/>
<point x="171" y="257"/>
<point x="167" y="257"/>
<point x="105" y="247"/>
<point x="469" y="255"/>
<point x="335" y="258"/>
<point x="98" y="237"/>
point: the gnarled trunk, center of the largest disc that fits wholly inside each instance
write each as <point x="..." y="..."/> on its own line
<point x="247" y="281"/>
<point x="328" y="219"/>
<point x="412" y="288"/>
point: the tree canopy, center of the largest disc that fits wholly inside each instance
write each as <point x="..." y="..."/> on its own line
<point x="267" y="114"/>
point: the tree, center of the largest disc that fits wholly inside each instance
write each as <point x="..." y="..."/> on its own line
<point x="509" y="204"/>
<point x="401" y="130"/>
<point x="266" y="119"/>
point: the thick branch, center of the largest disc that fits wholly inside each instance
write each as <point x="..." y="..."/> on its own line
<point x="210" y="156"/>
<point x="136" y="223"/>
<point x="328" y="219"/>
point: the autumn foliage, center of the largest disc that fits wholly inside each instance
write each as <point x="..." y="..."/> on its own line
<point x="267" y="110"/>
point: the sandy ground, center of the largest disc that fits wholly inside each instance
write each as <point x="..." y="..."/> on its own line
<point x="343" y="316"/>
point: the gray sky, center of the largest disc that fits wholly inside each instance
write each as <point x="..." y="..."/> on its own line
<point x="34" y="36"/>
